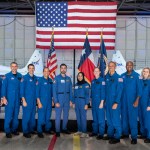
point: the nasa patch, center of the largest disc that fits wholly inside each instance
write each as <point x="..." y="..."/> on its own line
<point x="140" y="77"/>
<point x="37" y="82"/>
<point x="120" y="79"/>
<point x="103" y="82"/>
<point x="54" y="81"/>
<point x="22" y="80"/>
<point x="87" y="86"/>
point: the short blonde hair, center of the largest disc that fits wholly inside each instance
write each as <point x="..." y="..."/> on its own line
<point x="145" y="69"/>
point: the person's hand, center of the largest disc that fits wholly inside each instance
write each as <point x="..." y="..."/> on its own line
<point x="57" y="105"/>
<point x="115" y="105"/>
<point x="71" y="104"/>
<point x="40" y="105"/>
<point x="52" y="103"/>
<point x="86" y="107"/>
<point x="148" y="108"/>
<point x="4" y="101"/>
<point x="24" y="103"/>
<point x="101" y="105"/>
<point x="135" y="104"/>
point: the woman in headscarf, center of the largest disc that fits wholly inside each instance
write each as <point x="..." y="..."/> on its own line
<point x="81" y="101"/>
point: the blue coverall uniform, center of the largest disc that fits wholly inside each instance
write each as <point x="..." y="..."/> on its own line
<point x="114" y="86"/>
<point x="11" y="91"/>
<point x="62" y="92"/>
<point x="80" y="99"/>
<point x="0" y="87"/>
<point x="28" y="91"/>
<point x="132" y="88"/>
<point x="97" y="95"/>
<point x="144" y="115"/>
<point x="44" y="93"/>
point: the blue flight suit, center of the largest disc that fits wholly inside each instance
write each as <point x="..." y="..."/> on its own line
<point x="0" y="88"/>
<point x="144" y="115"/>
<point x="44" y="93"/>
<point x="98" y="94"/>
<point x="11" y="90"/>
<point x="114" y="86"/>
<point x="28" y="91"/>
<point x="132" y="88"/>
<point x="80" y="99"/>
<point x="62" y="92"/>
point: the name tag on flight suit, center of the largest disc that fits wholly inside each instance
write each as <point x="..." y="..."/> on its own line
<point x="76" y="87"/>
<point x="62" y="81"/>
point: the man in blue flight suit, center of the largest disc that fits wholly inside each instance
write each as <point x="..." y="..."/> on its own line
<point x="0" y="87"/>
<point x="44" y="95"/>
<point x="28" y="96"/>
<point x="98" y="112"/>
<point x="11" y="99"/>
<point x="62" y="92"/>
<point x="114" y="86"/>
<point x="132" y="91"/>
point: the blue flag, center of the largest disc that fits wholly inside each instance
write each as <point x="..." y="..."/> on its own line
<point x="102" y="60"/>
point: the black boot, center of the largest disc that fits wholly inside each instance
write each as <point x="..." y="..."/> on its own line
<point x="49" y="132"/>
<point x="92" y="134"/>
<point x="8" y="135"/>
<point x="57" y="134"/>
<point x="15" y="133"/>
<point x="124" y="136"/>
<point x="99" y="137"/>
<point x="141" y="137"/>
<point x="40" y="135"/>
<point x="134" y="141"/>
<point x="66" y="132"/>
<point x="114" y="141"/>
<point x="147" y="141"/>
<point x="106" y="138"/>
<point x="27" y="135"/>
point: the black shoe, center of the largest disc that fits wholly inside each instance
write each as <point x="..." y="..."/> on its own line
<point x="92" y="134"/>
<point x="114" y="141"/>
<point x="57" y="134"/>
<point x="49" y="132"/>
<point x="124" y="136"/>
<point x="15" y="133"/>
<point x="66" y="132"/>
<point x="133" y="141"/>
<point x="99" y="137"/>
<point x="141" y="137"/>
<point x="33" y="132"/>
<point x="27" y="135"/>
<point x="106" y="138"/>
<point x="8" y="135"/>
<point x="147" y="141"/>
<point x="40" y="135"/>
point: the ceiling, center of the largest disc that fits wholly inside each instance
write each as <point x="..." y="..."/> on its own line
<point x="26" y="7"/>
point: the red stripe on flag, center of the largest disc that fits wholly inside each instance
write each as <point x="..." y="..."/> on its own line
<point x="93" y="25"/>
<point x="92" y="11"/>
<point x="94" y="4"/>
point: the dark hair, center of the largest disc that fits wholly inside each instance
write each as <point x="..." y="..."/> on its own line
<point x="45" y="68"/>
<point x="30" y="65"/>
<point x="83" y="80"/>
<point x="13" y="63"/>
<point x="129" y="62"/>
<point x="112" y="62"/>
<point x="63" y="65"/>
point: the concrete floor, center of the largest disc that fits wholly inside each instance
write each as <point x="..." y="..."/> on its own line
<point x="65" y="142"/>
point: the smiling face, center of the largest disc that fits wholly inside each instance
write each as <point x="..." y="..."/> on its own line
<point x="129" y="66"/>
<point x="96" y="73"/>
<point x="112" y="67"/>
<point x="80" y="77"/>
<point x="146" y="73"/>
<point x="63" y="69"/>
<point x="31" y="70"/>
<point x="14" y="68"/>
<point x="46" y="72"/>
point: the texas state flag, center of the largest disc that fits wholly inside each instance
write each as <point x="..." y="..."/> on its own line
<point x="86" y="64"/>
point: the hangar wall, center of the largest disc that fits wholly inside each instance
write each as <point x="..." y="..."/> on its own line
<point x="17" y="41"/>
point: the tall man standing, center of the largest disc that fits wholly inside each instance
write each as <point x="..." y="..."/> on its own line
<point x="113" y="96"/>
<point x="132" y="90"/>
<point x="62" y="93"/>
<point x="11" y="99"/>
<point x="28" y="96"/>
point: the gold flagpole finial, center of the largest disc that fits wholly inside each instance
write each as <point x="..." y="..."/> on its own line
<point x="87" y="32"/>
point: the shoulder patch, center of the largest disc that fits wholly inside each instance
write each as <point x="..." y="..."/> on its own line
<point x="140" y="77"/>
<point x="87" y="86"/>
<point x="37" y="82"/>
<point x="3" y="77"/>
<point x="22" y="79"/>
<point x="103" y="82"/>
<point x="120" y="79"/>
<point x="54" y="81"/>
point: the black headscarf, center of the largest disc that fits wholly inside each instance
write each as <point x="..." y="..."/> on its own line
<point x="83" y="80"/>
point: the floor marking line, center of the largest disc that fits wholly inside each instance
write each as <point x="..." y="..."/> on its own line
<point x="52" y="143"/>
<point x="76" y="142"/>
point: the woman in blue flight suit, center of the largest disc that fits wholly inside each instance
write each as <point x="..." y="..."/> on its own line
<point x="81" y="101"/>
<point x="144" y="106"/>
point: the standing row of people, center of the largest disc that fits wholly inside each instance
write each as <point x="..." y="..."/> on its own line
<point x="115" y="98"/>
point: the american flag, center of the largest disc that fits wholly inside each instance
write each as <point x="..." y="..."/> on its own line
<point x="52" y="60"/>
<point x="71" y="20"/>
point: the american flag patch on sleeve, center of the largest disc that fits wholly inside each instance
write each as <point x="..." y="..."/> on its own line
<point x="120" y="79"/>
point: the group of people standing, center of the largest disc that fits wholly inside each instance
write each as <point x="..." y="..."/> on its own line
<point x="118" y="99"/>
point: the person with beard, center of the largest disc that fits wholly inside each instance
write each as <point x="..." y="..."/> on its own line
<point x="81" y="101"/>
<point x="62" y="94"/>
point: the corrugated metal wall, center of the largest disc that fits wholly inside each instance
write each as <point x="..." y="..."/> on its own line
<point x="17" y="41"/>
